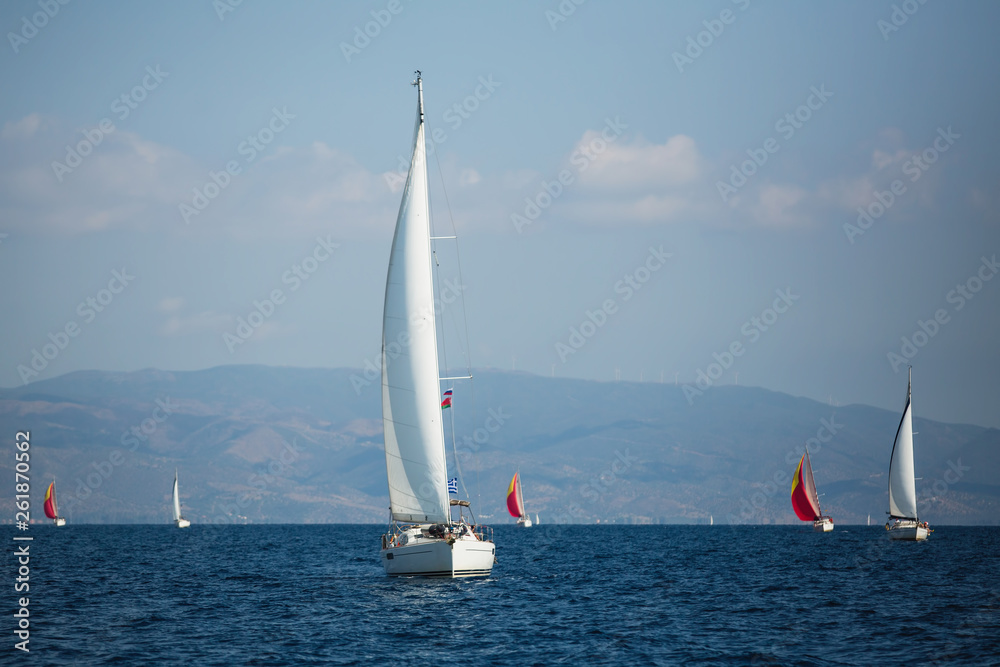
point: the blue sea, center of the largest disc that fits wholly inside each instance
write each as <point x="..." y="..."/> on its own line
<point x="603" y="595"/>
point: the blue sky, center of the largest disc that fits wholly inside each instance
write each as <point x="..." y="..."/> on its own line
<point x="824" y="107"/>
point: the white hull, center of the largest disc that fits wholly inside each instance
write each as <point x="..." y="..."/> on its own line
<point x="466" y="557"/>
<point x="908" y="530"/>
<point x="59" y="521"/>
<point x="823" y="525"/>
<point x="182" y="523"/>
<point x="524" y="522"/>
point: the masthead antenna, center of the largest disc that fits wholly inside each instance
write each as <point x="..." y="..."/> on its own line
<point x="420" y="94"/>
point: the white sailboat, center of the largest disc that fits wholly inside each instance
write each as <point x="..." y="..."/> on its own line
<point x="903" y="522"/>
<point x="423" y="539"/>
<point x="180" y="521"/>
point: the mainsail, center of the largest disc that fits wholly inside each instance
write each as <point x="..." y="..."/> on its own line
<point x="515" y="502"/>
<point x="411" y="413"/>
<point x="50" y="502"/>
<point x="805" y="500"/>
<point x="177" y="499"/>
<point x="902" y="488"/>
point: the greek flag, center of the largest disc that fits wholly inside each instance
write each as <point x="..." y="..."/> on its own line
<point x="453" y="485"/>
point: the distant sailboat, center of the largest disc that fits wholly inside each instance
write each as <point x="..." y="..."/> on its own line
<point x="50" y="505"/>
<point x="903" y="522"/>
<point x="423" y="539"/>
<point x="805" y="500"/>
<point x="869" y="519"/>
<point x="515" y="502"/>
<point x="537" y="522"/>
<point x="180" y="521"/>
<point x="711" y="520"/>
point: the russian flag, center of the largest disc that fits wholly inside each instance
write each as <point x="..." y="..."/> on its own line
<point x="446" y="403"/>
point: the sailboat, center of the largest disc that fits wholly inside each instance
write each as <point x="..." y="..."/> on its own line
<point x="178" y="519"/>
<point x="805" y="500"/>
<point x="903" y="523"/>
<point x="515" y="502"/>
<point x="50" y="505"/>
<point x="423" y="538"/>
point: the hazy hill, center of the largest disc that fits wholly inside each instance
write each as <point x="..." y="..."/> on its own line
<point x="256" y="443"/>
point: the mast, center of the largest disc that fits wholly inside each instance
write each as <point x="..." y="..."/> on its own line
<point x="520" y="495"/>
<point x="420" y="96"/>
<point x="812" y="483"/>
<point x="411" y="412"/>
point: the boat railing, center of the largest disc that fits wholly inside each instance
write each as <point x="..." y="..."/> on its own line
<point x="484" y="533"/>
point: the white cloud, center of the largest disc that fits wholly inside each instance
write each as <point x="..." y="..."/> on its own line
<point x="170" y="304"/>
<point x="206" y="321"/>
<point x="21" y="129"/>
<point x="128" y="182"/>
<point x="777" y="206"/>
<point x="641" y="165"/>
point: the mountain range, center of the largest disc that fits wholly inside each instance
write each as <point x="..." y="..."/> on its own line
<point x="295" y="445"/>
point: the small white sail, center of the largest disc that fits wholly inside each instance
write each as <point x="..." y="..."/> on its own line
<point x="902" y="488"/>
<point x="177" y="499"/>
<point x="411" y="413"/>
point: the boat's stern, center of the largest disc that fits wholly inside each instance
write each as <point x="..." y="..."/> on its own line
<point x="458" y="550"/>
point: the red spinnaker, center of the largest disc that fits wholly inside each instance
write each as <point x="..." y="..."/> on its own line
<point x="514" y="505"/>
<point x="50" y="501"/>
<point x="805" y="502"/>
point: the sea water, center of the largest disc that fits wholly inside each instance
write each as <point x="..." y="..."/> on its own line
<point x="610" y="595"/>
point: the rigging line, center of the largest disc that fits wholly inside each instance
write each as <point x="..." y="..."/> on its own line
<point x="458" y="464"/>
<point x="443" y="341"/>
<point x="465" y="319"/>
<point x="458" y="256"/>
